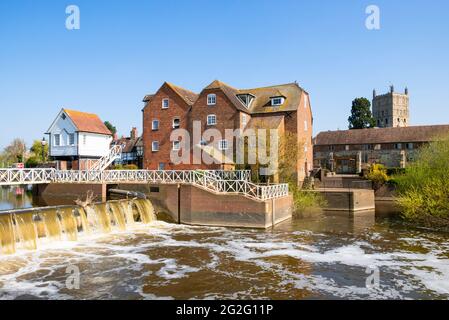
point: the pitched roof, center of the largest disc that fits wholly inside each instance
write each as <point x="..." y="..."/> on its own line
<point x="188" y="96"/>
<point x="382" y="135"/>
<point x="230" y="92"/>
<point x="262" y="101"/>
<point x="262" y="97"/>
<point x="87" y="122"/>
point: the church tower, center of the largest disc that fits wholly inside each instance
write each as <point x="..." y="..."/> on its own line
<point x="391" y="109"/>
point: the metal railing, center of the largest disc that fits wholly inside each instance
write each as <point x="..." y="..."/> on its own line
<point x="216" y="181"/>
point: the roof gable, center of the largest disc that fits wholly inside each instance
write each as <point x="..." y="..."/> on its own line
<point x="87" y="122"/>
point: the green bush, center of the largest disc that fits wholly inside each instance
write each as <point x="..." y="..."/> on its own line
<point x="32" y="162"/>
<point x="378" y="175"/>
<point x="423" y="190"/>
<point x="130" y="167"/>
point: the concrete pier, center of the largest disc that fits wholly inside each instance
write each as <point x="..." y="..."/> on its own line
<point x="352" y="200"/>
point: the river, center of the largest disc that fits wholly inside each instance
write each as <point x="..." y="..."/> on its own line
<point x="320" y="257"/>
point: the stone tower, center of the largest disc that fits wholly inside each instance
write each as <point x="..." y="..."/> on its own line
<point x="391" y="109"/>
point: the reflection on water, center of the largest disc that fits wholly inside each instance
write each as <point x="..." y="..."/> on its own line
<point x="319" y="257"/>
<point x="15" y="198"/>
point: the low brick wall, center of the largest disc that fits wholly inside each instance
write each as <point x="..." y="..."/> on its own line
<point x="200" y="207"/>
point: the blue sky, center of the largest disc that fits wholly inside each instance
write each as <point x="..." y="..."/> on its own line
<point x="126" y="49"/>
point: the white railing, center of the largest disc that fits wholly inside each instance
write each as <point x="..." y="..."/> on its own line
<point x="101" y="164"/>
<point x="216" y="181"/>
<point x="25" y="176"/>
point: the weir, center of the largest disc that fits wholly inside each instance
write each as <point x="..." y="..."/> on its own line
<point x="26" y="228"/>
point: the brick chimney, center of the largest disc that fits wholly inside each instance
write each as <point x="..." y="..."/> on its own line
<point x="134" y="133"/>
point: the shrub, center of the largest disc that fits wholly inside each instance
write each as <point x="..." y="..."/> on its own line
<point x="423" y="191"/>
<point x="32" y="162"/>
<point x="130" y="167"/>
<point x="378" y="175"/>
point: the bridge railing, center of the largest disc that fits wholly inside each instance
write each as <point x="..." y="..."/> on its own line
<point x="212" y="180"/>
<point x="25" y="176"/>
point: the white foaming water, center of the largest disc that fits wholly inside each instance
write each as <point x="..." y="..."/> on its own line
<point x="139" y="256"/>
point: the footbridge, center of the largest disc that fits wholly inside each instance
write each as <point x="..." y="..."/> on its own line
<point x="214" y="181"/>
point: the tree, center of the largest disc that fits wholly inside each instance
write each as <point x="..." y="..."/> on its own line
<point x="110" y="127"/>
<point x="361" y="116"/>
<point x="15" y="152"/>
<point x="40" y="154"/>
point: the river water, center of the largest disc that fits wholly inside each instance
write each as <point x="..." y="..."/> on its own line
<point x="316" y="258"/>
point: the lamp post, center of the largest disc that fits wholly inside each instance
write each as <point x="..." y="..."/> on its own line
<point x="43" y="144"/>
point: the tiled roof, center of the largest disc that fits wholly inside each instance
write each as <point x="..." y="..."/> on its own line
<point x="230" y="92"/>
<point x="87" y="122"/>
<point x="188" y="96"/>
<point x="382" y="135"/>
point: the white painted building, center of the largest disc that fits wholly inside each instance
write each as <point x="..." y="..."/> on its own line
<point x="76" y="138"/>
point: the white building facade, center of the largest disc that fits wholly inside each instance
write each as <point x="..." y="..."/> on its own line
<point x="76" y="138"/>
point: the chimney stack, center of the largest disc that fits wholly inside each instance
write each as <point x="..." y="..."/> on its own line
<point x="391" y="88"/>
<point x="134" y="134"/>
<point x="406" y="91"/>
<point x="374" y="93"/>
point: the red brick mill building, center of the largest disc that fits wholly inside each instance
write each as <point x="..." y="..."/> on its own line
<point x="284" y="107"/>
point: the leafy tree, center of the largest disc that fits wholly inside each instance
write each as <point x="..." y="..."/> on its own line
<point x="110" y="127"/>
<point x="15" y="152"/>
<point x="361" y="116"/>
<point x="40" y="153"/>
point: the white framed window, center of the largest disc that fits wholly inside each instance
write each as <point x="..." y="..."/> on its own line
<point x="223" y="145"/>
<point x="277" y="101"/>
<point x="244" y="120"/>
<point x="347" y="147"/>
<point x="155" y="146"/>
<point x="306" y="127"/>
<point x="57" y="140"/>
<point x="211" y="120"/>
<point x="165" y="103"/>
<point x="161" y="166"/>
<point x="377" y="147"/>
<point x="176" y="145"/>
<point x="211" y="99"/>
<point x="176" y="123"/>
<point x="155" y="125"/>
<point x="71" y="139"/>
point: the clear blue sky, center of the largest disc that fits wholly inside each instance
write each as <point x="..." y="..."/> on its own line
<point x="126" y="49"/>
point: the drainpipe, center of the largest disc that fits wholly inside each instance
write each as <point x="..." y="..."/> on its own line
<point x="179" y="203"/>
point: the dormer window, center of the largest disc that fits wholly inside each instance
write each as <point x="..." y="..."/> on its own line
<point x="211" y="99"/>
<point x="277" y="101"/>
<point x="246" y="99"/>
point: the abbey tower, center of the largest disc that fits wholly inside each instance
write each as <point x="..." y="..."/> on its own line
<point x="391" y="109"/>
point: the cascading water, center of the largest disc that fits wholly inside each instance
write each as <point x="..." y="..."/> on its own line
<point x="25" y="229"/>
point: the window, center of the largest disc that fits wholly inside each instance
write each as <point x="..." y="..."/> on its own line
<point x="331" y="148"/>
<point x="398" y="146"/>
<point x="244" y="120"/>
<point x="347" y="147"/>
<point x="305" y="125"/>
<point x="211" y="99"/>
<point x="155" y="125"/>
<point x="155" y="146"/>
<point x="203" y="142"/>
<point x="409" y="146"/>
<point x="223" y="145"/>
<point x="161" y="166"/>
<point x="154" y="189"/>
<point x="386" y="121"/>
<point x="176" y="145"/>
<point x="246" y="99"/>
<point x="57" y="140"/>
<point x="277" y="101"/>
<point x="211" y="120"/>
<point x="176" y="123"/>
<point x="165" y="103"/>
<point x="63" y="116"/>
<point x="367" y="147"/>
<point x="305" y="148"/>
<point x="71" y="139"/>
<point x="377" y="147"/>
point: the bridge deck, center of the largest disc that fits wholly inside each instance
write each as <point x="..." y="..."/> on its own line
<point x="216" y="181"/>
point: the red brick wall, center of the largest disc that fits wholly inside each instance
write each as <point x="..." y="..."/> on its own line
<point x="153" y="111"/>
